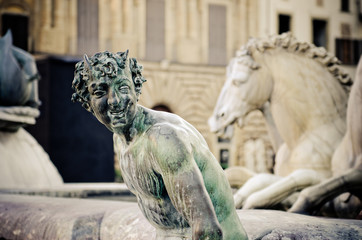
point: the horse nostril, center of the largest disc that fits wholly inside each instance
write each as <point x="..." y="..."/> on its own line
<point x="222" y="115"/>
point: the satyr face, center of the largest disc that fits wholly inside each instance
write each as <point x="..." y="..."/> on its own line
<point x="113" y="99"/>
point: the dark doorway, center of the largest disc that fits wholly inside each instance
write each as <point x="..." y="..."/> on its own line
<point x="19" y="25"/>
<point x="80" y="147"/>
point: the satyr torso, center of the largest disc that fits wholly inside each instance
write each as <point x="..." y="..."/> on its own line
<point x="139" y="173"/>
<point x="153" y="161"/>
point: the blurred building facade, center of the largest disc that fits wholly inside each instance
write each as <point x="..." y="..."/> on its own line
<point x="184" y="46"/>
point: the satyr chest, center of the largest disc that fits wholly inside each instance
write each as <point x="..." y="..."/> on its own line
<point x="138" y="169"/>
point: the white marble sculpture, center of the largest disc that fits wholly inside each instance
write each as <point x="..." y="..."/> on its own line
<point x="306" y="95"/>
<point x="346" y="166"/>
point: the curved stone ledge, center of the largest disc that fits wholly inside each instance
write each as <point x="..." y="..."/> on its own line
<point x="35" y="217"/>
<point x="77" y="190"/>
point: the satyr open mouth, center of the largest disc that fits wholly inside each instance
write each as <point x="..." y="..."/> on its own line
<point x="116" y="113"/>
<point x="117" y="117"/>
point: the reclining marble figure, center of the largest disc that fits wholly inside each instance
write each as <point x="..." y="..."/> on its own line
<point x="180" y="187"/>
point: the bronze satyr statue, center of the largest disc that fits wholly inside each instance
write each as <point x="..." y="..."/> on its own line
<point x="180" y="186"/>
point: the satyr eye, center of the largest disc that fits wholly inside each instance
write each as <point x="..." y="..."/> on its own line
<point x="99" y="93"/>
<point x="123" y="89"/>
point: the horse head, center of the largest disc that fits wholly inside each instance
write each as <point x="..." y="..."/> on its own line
<point x="18" y="75"/>
<point x="242" y="93"/>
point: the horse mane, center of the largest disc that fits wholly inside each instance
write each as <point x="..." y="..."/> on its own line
<point x="289" y="43"/>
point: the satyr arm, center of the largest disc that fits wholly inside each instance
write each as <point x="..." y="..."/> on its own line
<point x="184" y="182"/>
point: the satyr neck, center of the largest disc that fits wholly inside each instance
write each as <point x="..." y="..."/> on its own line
<point x="139" y="125"/>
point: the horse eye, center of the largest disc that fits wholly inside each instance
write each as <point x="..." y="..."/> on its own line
<point x="237" y="82"/>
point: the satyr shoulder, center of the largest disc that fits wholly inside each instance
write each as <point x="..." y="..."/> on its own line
<point x="171" y="146"/>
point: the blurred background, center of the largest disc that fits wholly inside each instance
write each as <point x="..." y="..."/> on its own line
<point x="184" y="46"/>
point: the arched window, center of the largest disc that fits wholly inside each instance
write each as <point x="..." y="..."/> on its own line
<point x="162" y="107"/>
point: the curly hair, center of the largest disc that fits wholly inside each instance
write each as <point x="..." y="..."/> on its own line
<point x="100" y="65"/>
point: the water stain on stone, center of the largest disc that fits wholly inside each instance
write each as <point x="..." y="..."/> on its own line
<point x="87" y="227"/>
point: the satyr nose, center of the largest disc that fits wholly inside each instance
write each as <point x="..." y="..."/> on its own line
<point x="113" y="99"/>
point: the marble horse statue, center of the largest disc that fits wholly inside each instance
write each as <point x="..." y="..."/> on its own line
<point x="303" y="94"/>
<point x="180" y="187"/>
<point x="345" y="186"/>
<point x="24" y="163"/>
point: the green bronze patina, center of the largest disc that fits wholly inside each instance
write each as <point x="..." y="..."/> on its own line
<point x="19" y="77"/>
<point x="180" y="186"/>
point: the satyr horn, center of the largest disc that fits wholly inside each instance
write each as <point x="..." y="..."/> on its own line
<point x="86" y="60"/>
<point x="127" y="59"/>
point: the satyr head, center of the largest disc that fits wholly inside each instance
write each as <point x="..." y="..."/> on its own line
<point x="238" y="95"/>
<point x="108" y="85"/>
